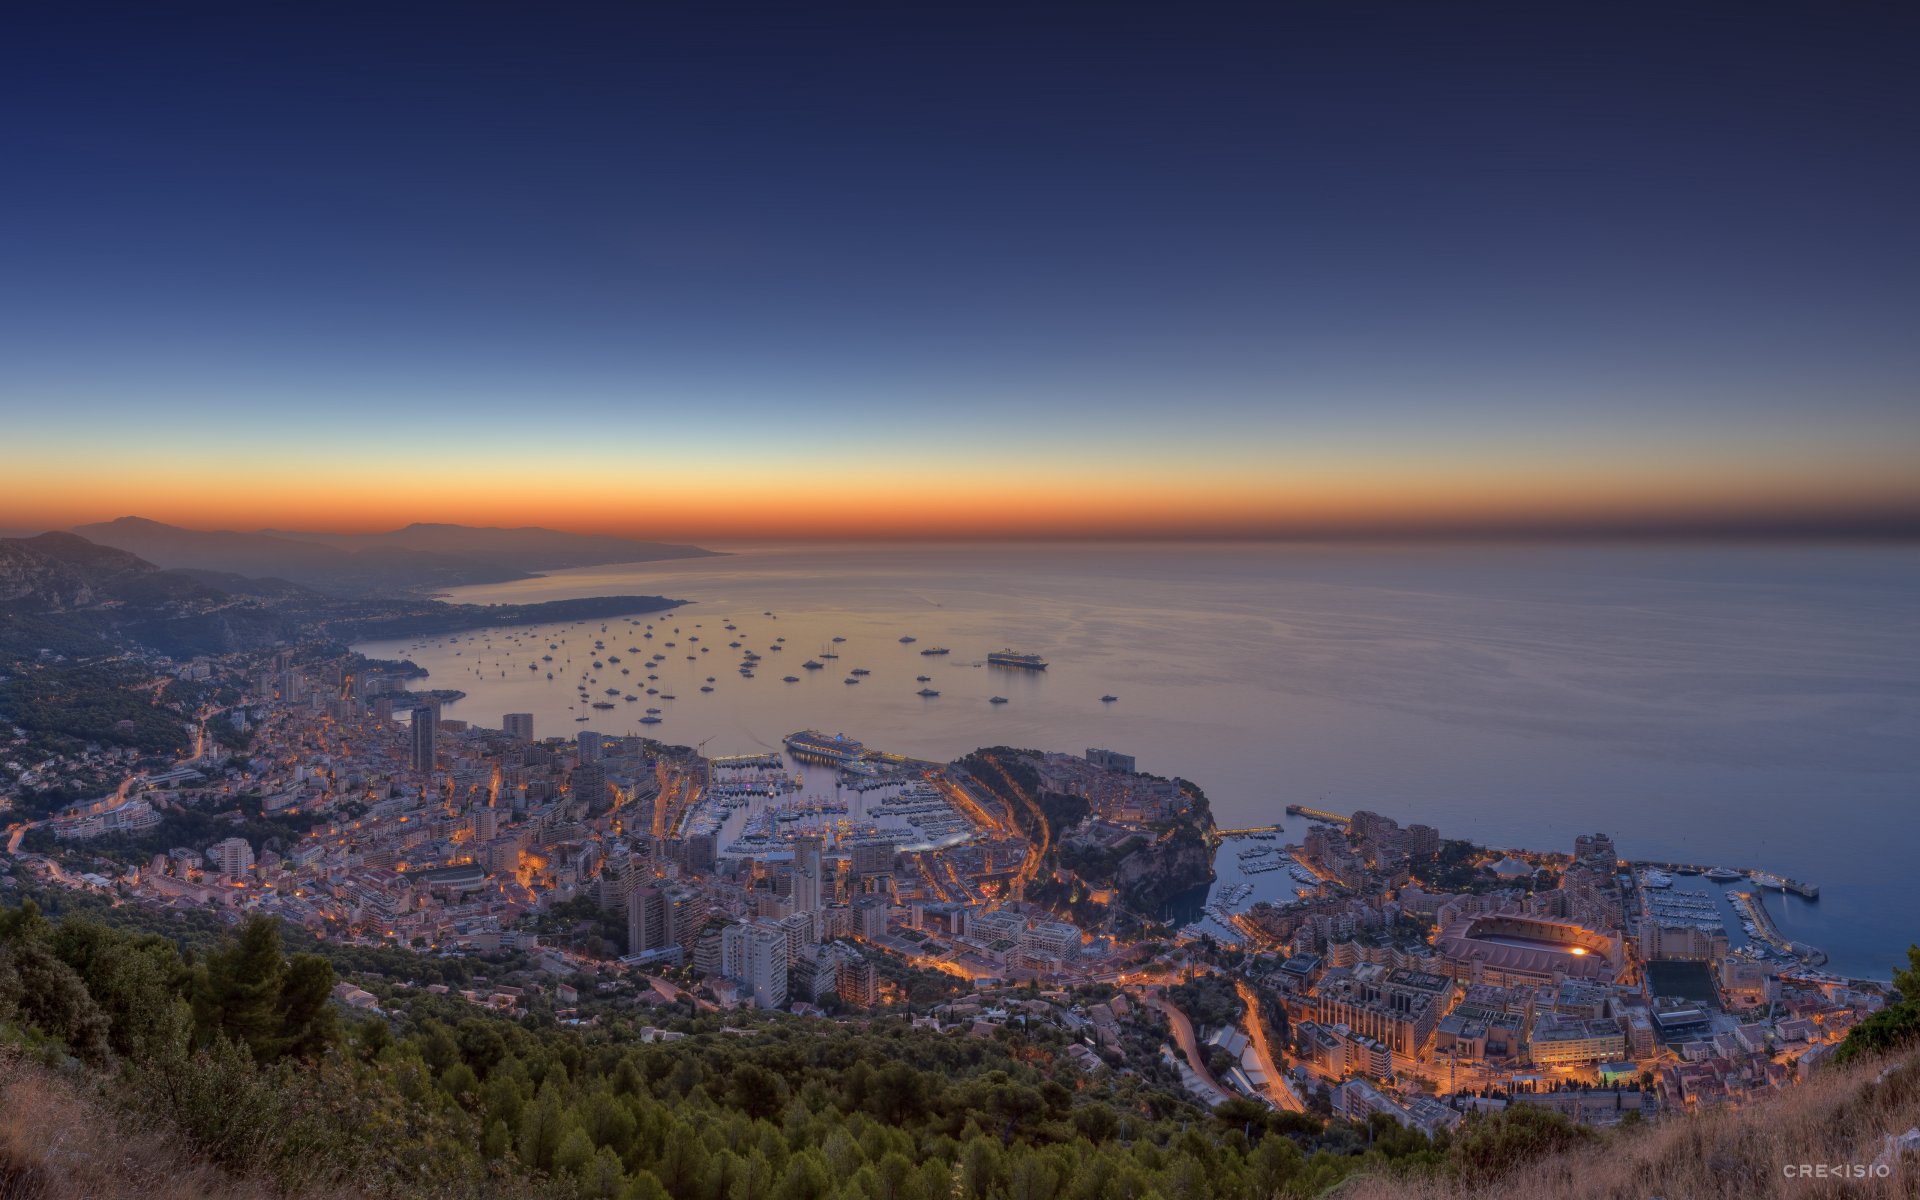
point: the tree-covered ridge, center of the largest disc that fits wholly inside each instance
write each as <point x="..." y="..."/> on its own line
<point x="232" y="1043"/>
<point x="238" y="1046"/>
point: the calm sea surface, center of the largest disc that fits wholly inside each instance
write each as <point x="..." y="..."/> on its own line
<point x="1758" y="707"/>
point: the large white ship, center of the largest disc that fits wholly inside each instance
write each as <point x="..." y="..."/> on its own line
<point x="833" y="748"/>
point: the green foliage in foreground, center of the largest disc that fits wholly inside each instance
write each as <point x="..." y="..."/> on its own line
<point x="239" y="1049"/>
<point x="1893" y="1027"/>
<point x="234" y="1045"/>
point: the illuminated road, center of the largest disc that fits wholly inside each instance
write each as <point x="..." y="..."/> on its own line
<point x="1038" y="845"/>
<point x="1278" y="1089"/>
<point x="964" y="801"/>
<point x="1183" y="1034"/>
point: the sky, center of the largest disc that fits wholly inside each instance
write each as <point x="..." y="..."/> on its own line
<point x="1298" y="269"/>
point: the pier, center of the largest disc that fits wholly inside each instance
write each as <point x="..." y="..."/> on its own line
<point x="1250" y="831"/>
<point x="1316" y="814"/>
<point x="1760" y="879"/>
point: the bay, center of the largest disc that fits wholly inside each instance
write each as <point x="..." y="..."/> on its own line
<point x="1757" y="706"/>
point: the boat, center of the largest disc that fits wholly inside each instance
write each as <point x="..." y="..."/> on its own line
<point x="649" y="720"/>
<point x="1768" y="879"/>
<point x="811" y="665"/>
<point x="1723" y="874"/>
<point x="908" y="641"/>
<point x="923" y="679"/>
<point x="839" y="639"/>
<point x="1108" y="699"/>
<point x="932" y="650"/>
<point x="581" y="718"/>
<point x="601" y="704"/>
<point x="926" y="692"/>
<point x="653" y="712"/>
<point x="705" y="688"/>
<point x="664" y="696"/>
<point x="1657" y="879"/>
<point x="836" y="748"/>
<point x="790" y="679"/>
<point x="1013" y="658"/>
<point x="997" y="700"/>
<point x="859" y="671"/>
<point x="851" y="679"/>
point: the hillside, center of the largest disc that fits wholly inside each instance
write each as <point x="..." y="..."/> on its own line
<point x="526" y="548"/>
<point x="59" y="572"/>
<point x="311" y="564"/>
<point x="413" y="559"/>
<point x="1840" y="1118"/>
<point x="60" y="1141"/>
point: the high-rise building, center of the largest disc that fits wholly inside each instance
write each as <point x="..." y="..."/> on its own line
<point x="590" y="744"/>
<point x="686" y="913"/>
<point x="858" y="982"/>
<point x="1422" y="841"/>
<point x="872" y="858"/>
<point x="486" y="824"/>
<point x="518" y="726"/>
<point x="589" y="783"/>
<point x="426" y="730"/>
<point x="1596" y="850"/>
<point x="756" y="955"/>
<point x="233" y="856"/>
<point x="702" y="852"/>
<point x="806" y="874"/>
<point x="870" y="917"/>
<point x="647" y="925"/>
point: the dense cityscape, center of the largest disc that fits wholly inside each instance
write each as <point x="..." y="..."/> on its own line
<point x="1411" y="975"/>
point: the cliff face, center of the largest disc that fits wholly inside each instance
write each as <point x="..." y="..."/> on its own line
<point x="1153" y="876"/>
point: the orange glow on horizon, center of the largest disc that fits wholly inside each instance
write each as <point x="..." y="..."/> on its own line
<point x="1242" y="492"/>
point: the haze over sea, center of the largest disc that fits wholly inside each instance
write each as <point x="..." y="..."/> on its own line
<point x="1754" y="706"/>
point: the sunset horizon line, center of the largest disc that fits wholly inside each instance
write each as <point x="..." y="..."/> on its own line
<point x="1897" y="526"/>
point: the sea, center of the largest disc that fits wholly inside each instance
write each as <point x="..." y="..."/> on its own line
<point x="1754" y="706"/>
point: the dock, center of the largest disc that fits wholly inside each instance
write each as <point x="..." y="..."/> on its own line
<point x="1760" y="879"/>
<point x="1249" y="831"/>
<point x="1316" y="814"/>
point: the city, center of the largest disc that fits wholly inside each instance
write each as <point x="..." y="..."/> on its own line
<point x="1408" y="975"/>
<point x="1301" y="601"/>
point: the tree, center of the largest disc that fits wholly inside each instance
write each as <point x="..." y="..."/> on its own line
<point x="236" y="991"/>
<point x="307" y="1023"/>
<point x="52" y="998"/>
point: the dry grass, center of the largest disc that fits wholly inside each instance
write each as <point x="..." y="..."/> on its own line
<point x="1839" y="1117"/>
<point x="58" y="1143"/>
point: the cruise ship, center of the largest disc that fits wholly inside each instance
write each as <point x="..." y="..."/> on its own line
<point x="1011" y="658"/>
<point x="836" y="748"/>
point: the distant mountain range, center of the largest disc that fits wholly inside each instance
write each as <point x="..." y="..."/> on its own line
<point x="60" y="572"/>
<point x="63" y="594"/>
<point x="417" y="558"/>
